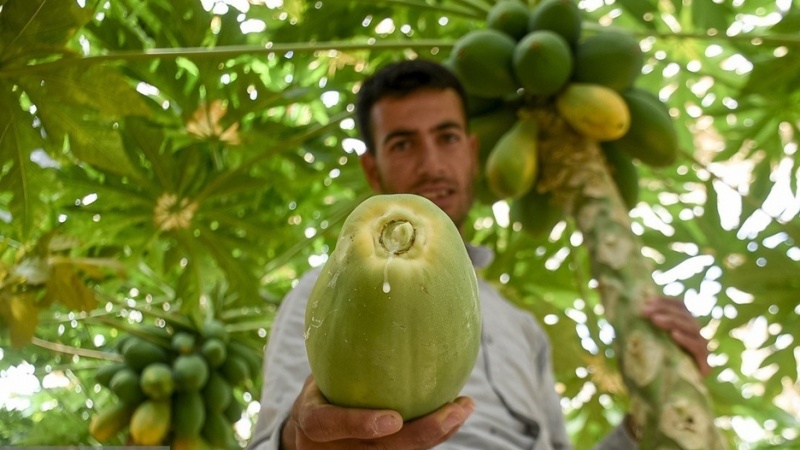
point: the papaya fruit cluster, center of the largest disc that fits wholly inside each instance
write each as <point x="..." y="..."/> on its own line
<point x="540" y="57"/>
<point x="176" y="388"/>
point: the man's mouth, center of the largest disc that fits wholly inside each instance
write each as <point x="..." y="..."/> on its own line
<point x="434" y="194"/>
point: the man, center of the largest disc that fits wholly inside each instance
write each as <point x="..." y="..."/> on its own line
<point x="412" y="117"/>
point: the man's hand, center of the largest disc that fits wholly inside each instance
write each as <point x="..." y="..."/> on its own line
<point x="671" y="315"/>
<point x="316" y="424"/>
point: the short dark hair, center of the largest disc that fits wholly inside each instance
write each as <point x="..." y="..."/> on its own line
<point x="398" y="79"/>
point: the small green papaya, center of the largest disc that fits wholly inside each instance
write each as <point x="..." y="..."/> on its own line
<point x="512" y="166"/>
<point x="217" y="392"/>
<point x="139" y="353"/>
<point x="105" y="373"/>
<point x="489" y="128"/>
<point x="536" y="213"/>
<point x="652" y="137"/>
<point x="188" y="413"/>
<point x="624" y="173"/>
<point x="156" y="381"/>
<point x="393" y="321"/>
<point x="542" y="62"/>
<point x="190" y="372"/>
<point x="183" y="342"/>
<point x="126" y="386"/>
<point x="611" y="58"/>
<point x="510" y="17"/>
<point x="482" y="61"/>
<point x="218" y="432"/>
<point x="560" y="16"/>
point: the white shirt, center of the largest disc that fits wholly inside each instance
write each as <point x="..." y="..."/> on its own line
<point x="512" y="383"/>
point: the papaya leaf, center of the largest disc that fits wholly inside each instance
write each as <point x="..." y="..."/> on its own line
<point x="21" y="316"/>
<point x="83" y="105"/>
<point x="774" y="77"/>
<point x="66" y="287"/>
<point x="790" y="22"/>
<point x="38" y="27"/>
<point x="711" y="15"/>
<point x="760" y="187"/>
<point x="21" y="176"/>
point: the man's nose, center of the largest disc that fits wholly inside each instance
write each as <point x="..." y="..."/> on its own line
<point x="433" y="160"/>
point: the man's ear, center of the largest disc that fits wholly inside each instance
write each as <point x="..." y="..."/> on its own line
<point x="370" y="167"/>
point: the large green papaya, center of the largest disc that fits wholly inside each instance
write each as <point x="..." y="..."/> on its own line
<point x="542" y="62"/>
<point x="560" y="16"/>
<point x="393" y="321"/>
<point x="510" y="17"/>
<point x="512" y="166"/>
<point x="482" y="61"/>
<point x="612" y="58"/>
<point x="652" y="137"/>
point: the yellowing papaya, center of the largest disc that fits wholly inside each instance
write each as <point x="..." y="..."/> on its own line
<point x="110" y="421"/>
<point x="595" y="111"/>
<point x="150" y="422"/>
<point x="512" y="166"/>
<point x="482" y="61"/>
<point x="393" y="321"/>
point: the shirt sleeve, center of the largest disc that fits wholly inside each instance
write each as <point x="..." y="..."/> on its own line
<point x="285" y="366"/>
<point x="618" y="439"/>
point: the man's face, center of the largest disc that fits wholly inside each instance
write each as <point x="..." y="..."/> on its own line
<point x="422" y="147"/>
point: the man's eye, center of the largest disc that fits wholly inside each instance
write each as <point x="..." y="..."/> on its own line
<point x="451" y="137"/>
<point x="400" y="146"/>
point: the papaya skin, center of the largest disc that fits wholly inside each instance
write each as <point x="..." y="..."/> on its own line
<point x="595" y="111"/>
<point x="512" y="166"/>
<point x="393" y="321"/>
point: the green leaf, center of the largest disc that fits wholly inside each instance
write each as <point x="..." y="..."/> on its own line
<point x="82" y="105"/>
<point x="38" y="27"/>
<point x="21" y="176"/>
<point x="707" y="15"/>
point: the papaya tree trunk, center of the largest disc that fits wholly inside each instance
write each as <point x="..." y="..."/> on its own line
<point x="670" y="404"/>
